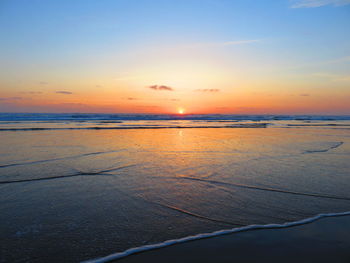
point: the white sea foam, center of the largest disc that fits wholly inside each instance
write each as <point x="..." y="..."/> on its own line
<point x="19" y="117"/>
<point x="135" y="250"/>
<point x="135" y="127"/>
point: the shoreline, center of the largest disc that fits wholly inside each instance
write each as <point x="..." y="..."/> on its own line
<point x="326" y="232"/>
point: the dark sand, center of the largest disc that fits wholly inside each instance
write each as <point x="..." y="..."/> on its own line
<point x="326" y="240"/>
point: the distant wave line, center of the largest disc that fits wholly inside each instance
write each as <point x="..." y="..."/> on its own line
<point x="133" y="117"/>
<point x="318" y="125"/>
<point x="253" y="125"/>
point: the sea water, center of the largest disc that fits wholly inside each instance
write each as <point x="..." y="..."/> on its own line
<point x="75" y="187"/>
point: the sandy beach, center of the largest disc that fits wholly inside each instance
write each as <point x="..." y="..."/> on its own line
<point x="325" y="240"/>
<point x="79" y="195"/>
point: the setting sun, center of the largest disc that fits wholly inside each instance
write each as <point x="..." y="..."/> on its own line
<point x="181" y="111"/>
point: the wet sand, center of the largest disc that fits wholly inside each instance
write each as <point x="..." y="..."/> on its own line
<point x="73" y="195"/>
<point x="325" y="240"/>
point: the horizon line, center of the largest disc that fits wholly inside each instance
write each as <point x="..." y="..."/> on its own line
<point x="185" y="114"/>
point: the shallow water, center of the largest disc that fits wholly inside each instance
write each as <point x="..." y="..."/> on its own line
<point x="73" y="195"/>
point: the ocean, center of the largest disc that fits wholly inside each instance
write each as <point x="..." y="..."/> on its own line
<point x="78" y="187"/>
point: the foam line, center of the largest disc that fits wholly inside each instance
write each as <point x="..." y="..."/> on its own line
<point x="41" y="178"/>
<point x="284" y="211"/>
<point x="83" y="117"/>
<point x="56" y="159"/>
<point x="318" y="125"/>
<point x="103" y="172"/>
<point x="336" y="145"/>
<point x="267" y="189"/>
<point x="199" y="216"/>
<point x="171" y="242"/>
<point x="249" y="125"/>
<point x="186" y="212"/>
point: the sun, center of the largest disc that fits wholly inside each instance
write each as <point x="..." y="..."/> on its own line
<point x="180" y="111"/>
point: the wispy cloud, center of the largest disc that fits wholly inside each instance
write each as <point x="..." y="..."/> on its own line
<point x="64" y="92"/>
<point x="207" y="90"/>
<point x="344" y="60"/>
<point x="338" y="60"/>
<point x="148" y="106"/>
<point x="222" y="108"/>
<point x="304" y="95"/>
<point x="161" y="87"/>
<point x="10" y="98"/>
<point x="332" y="76"/>
<point x="31" y="92"/>
<point x="130" y="98"/>
<point x="125" y="76"/>
<point x="233" y="43"/>
<point x="317" y="3"/>
<point x="222" y="44"/>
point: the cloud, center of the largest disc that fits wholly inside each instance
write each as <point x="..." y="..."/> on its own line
<point x="148" y="106"/>
<point x="317" y="3"/>
<point x="32" y="92"/>
<point x="232" y="43"/>
<point x="10" y="98"/>
<point x="161" y="87"/>
<point x="332" y="77"/>
<point x="207" y="90"/>
<point x="130" y="98"/>
<point x="222" y="108"/>
<point x="338" y="60"/>
<point x="222" y="44"/>
<point x="43" y="83"/>
<point x="304" y="95"/>
<point x="344" y="60"/>
<point x="64" y="92"/>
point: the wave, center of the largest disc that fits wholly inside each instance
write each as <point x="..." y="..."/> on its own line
<point x="266" y="189"/>
<point x="121" y="117"/>
<point x="57" y="159"/>
<point x="336" y="145"/>
<point x="241" y="125"/>
<point x="183" y="211"/>
<point x="319" y="125"/>
<point x="171" y="242"/>
<point x="102" y="172"/>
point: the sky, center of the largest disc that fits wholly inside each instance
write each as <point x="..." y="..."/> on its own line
<point x="166" y="56"/>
